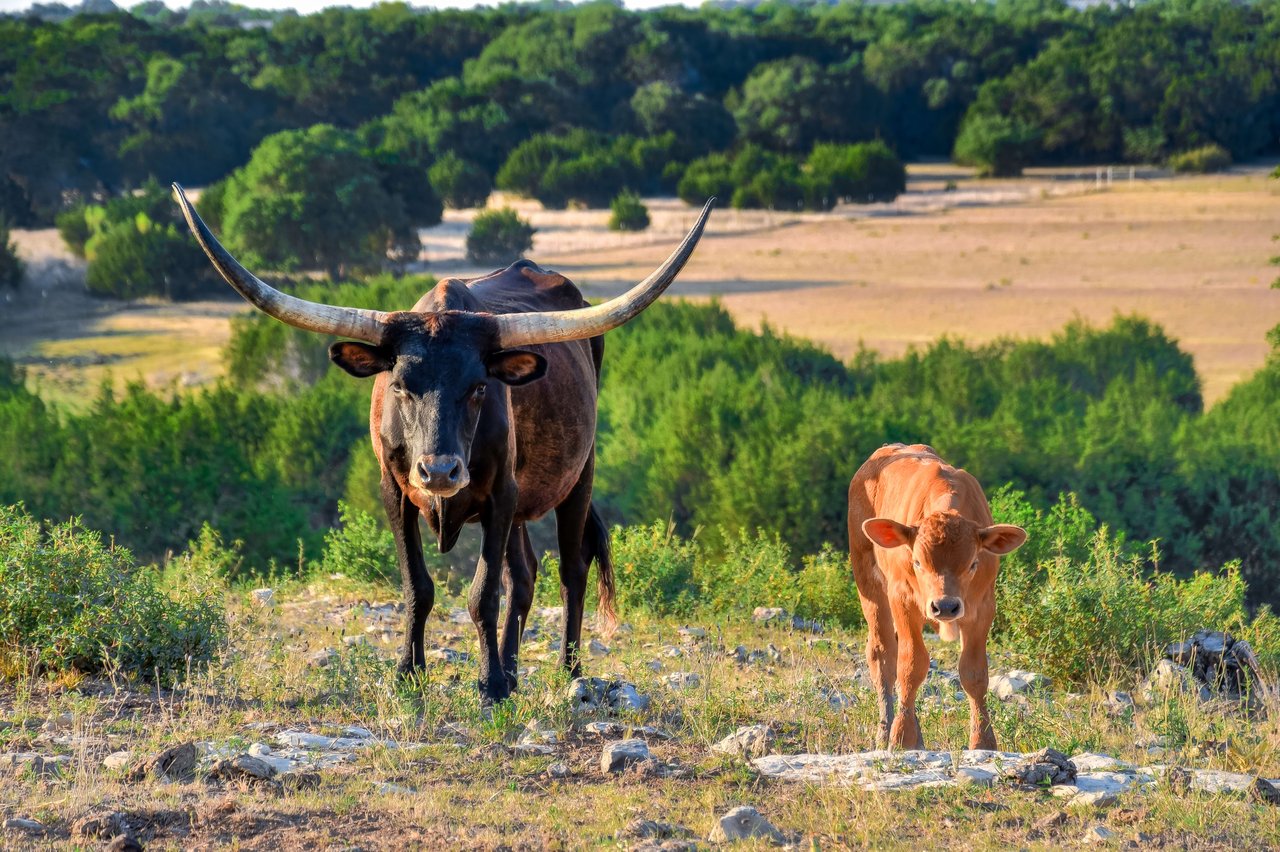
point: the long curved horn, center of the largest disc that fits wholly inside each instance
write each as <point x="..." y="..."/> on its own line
<point x="559" y="326"/>
<point x="356" y="323"/>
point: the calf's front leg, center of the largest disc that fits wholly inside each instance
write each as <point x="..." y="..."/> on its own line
<point x="913" y="667"/>
<point x="973" y="679"/>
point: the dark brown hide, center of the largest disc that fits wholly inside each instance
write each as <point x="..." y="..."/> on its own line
<point x="532" y="452"/>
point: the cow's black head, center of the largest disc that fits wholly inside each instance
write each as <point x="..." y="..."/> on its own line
<point x="437" y="371"/>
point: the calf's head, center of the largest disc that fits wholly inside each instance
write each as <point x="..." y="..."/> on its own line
<point x="946" y="552"/>
<point x="438" y="366"/>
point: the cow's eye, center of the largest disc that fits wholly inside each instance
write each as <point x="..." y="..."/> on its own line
<point x="397" y="388"/>
<point x="916" y="563"/>
<point x="478" y="391"/>
<point x="974" y="566"/>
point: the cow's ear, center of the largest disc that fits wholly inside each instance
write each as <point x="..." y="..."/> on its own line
<point x="516" y="366"/>
<point x="360" y="359"/>
<point x="1002" y="538"/>
<point x="889" y="534"/>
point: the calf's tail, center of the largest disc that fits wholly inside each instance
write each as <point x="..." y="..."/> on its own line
<point x="595" y="545"/>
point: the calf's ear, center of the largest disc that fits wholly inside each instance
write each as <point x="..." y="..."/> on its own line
<point x="889" y="534"/>
<point x="360" y="359"/>
<point x="1002" y="538"/>
<point x="516" y="366"/>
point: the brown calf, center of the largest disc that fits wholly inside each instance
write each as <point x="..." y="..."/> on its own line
<point x="924" y="549"/>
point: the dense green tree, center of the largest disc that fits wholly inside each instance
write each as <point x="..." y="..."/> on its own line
<point x="311" y="199"/>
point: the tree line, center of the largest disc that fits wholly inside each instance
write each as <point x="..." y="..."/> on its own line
<point x="599" y="99"/>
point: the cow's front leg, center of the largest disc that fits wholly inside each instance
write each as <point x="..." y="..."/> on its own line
<point x="913" y="667"/>
<point x="483" y="601"/>
<point x="973" y="679"/>
<point x="419" y="591"/>
<point x="519" y="579"/>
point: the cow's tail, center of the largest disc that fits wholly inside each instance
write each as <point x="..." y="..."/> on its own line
<point x="595" y="545"/>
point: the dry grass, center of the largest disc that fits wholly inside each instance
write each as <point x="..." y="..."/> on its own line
<point x="470" y="790"/>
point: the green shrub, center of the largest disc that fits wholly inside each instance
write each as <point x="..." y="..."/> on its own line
<point x="704" y="178"/>
<point x="361" y="548"/>
<point x="628" y="213"/>
<point x="1076" y="602"/>
<point x="1202" y="160"/>
<point x="827" y="591"/>
<point x="11" y="266"/>
<point x="461" y="183"/>
<point x="72" y="602"/>
<point x="655" y="569"/>
<point x="498" y="236"/>
<point x="863" y="173"/>
<point x="997" y="145"/>
<point x="142" y="257"/>
<point x="73" y="226"/>
<point x="753" y="570"/>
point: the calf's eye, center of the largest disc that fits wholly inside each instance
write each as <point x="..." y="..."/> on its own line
<point x="974" y="566"/>
<point x="397" y="389"/>
<point x="478" y="392"/>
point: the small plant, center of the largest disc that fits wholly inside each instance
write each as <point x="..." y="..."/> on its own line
<point x="11" y="266"/>
<point x="655" y="568"/>
<point x="498" y="236"/>
<point x="360" y="549"/>
<point x="628" y="213"/>
<point x="72" y="602"/>
<point x="1202" y="160"/>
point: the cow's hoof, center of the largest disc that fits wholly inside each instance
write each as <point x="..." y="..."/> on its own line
<point x="493" y="692"/>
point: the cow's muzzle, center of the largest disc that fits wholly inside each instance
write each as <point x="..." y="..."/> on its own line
<point x="946" y="609"/>
<point x="442" y="476"/>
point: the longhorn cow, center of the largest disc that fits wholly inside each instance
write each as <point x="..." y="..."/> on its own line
<point x="483" y="410"/>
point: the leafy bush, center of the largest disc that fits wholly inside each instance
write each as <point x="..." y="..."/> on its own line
<point x="862" y="173"/>
<point x="141" y="257"/>
<point x="498" y="236"/>
<point x="1202" y="160"/>
<point x="997" y="145"/>
<point x="72" y="602"/>
<point x="1076" y="601"/>
<point x="655" y="569"/>
<point x="826" y="589"/>
<point x="628" y="213"/>
<point x="461" y="183"/>
<point x="360" y="548"/>
<point x="705" y="177"/>
<point x="11" y="266"/>
<point x="73" y="227"/>
<point x="137" y="246"/>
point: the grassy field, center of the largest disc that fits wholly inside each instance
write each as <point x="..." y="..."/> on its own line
<point x="461" y="778"/>
<point x="992" y="258"/>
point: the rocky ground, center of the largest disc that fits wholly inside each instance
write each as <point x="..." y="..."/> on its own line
<point x="682" y="736"/>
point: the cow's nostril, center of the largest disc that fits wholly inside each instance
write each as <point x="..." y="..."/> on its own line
<point x="456" y="472"/>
